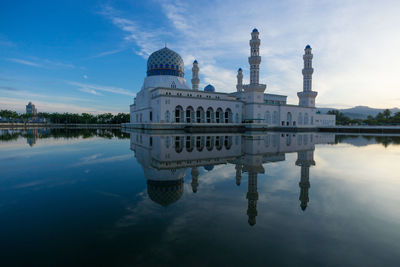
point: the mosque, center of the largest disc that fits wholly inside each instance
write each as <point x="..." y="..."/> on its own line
<point x="166" y="101"/>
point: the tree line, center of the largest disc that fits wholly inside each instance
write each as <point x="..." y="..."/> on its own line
<point x="382" y="118"/>
<point x="84" y="118"/>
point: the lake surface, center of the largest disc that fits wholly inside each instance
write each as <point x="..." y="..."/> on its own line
<point x="107" y="198"/>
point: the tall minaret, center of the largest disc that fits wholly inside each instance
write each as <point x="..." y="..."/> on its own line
<point x="195" y="179"/>
<point x="307" y="97"/>
<point x="239" y="85"/>
<point x="254" y="92"/>
<point x="254" y="59"/>
<point x="305" y="159"/>
<point x="195" y="76"/>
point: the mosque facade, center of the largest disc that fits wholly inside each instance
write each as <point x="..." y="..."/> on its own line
<point x="166" y="101"/>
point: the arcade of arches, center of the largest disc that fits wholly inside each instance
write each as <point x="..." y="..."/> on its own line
<point x="190" y="115"/>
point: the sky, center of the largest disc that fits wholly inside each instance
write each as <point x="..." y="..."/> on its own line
<point x="90" y="55"/>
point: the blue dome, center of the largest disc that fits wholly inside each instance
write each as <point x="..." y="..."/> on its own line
<point x="240" y="69"/>
<point x="255" y="30"/>
<point x="165" y="62"/>
<point x="209" y="167"/>
<point x="195" y="61"/>
<point x="308" y="47"/>
<point x="209" y="88"/>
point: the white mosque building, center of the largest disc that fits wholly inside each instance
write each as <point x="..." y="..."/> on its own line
<point x="166" y="101"/>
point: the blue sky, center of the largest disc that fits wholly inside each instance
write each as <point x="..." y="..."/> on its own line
<point x="90" y="56"/>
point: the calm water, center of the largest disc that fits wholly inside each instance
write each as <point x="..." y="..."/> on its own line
<point x="106" y="198"/>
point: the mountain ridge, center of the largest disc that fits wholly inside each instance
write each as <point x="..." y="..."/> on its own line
<point x="359" y="112"/>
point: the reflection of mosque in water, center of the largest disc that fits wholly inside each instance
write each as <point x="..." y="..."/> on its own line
<point x="166" y="159"/>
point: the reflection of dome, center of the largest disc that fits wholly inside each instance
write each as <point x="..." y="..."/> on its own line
<point x="165" y="62"/>
<point x="209" y="167"/>
<point x="165" y="192"/>
<point x="209" y="88"/>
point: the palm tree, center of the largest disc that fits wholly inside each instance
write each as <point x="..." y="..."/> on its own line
<point x="386" y="113"/>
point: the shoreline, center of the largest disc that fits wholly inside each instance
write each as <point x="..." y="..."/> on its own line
<point x="58" y="125"/>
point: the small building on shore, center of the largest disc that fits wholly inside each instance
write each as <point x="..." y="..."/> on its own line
<point x="31" y="110"/>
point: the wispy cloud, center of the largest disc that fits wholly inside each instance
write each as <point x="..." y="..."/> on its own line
<point x="8" y="88"/>
<point x="107" y="53"/>
<point x="90" y="91"/>
<point x="41" y="63"/>
<point x="340" y="34"/>
<point x="135" y="32"/>
<point x="24" y="62"/>
<point x="96" y="159"/>
<point x="93" y="89"/>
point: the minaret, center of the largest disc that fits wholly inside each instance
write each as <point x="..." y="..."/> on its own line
<point x="307" y="97"/>
<point x="238" y="168"/>
<point x="195" y="179"/>
<point x="239" y="85"/>
<point x="305" y="159"/>
<point x="252" y="197"/>
<point x="254" y="92"/>
<point x="254" y="59"/>
<point x="195" y="76"/>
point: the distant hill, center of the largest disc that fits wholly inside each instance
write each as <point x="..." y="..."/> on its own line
<point x="359" y="112"/>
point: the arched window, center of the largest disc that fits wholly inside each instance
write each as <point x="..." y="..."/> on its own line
<point x="275" y="117"/>
<point x="200" y="115"/>
<point x="289" y="119"/>
<point x="312" y="120"/>
<point x="189" y="114"/>
<point x="167" y="116"/>
<point x="210" y="115"/>
<point x="268" y="117"/>
<point x="179" y="114"/>
<point x="228" y="115"/>
<point x="173" y="85"/>
<point x="219" y="115"/>
<point x="300" y="119"/>
<point x="305" y="118"/>
<point x="236" y="117"/>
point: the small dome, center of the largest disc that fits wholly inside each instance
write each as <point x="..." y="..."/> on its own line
<point x="255" y="30"/>
<point x="209" y="88"/>
<point x="195" y="61"/>
<point x="308" y="47"/>
<point x="209" y="167"/>
<point x="240" y="69"/>
<point x="165" y="62"/>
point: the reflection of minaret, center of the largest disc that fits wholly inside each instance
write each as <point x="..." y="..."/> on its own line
<point x="305" y="159"/>
<point x="238" y="168"/>
<point x="252" y="197"/>
<point x="195" y="179"/>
